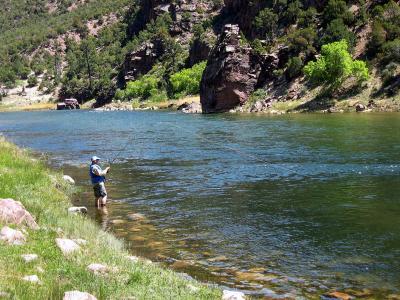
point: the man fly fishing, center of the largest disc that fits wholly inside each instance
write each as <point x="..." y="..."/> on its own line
<point x="97" y="175"/>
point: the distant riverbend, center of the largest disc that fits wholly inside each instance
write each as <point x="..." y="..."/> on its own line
<point x="273" y="205"/>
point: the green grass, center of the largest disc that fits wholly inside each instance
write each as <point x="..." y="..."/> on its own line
<point x="45" y="195"/>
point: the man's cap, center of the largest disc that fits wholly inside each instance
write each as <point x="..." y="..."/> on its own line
<point x="95" y="158"/>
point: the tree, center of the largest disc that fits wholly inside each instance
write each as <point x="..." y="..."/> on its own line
<point x="266" y="23"/>
<point x="335" y="65"/>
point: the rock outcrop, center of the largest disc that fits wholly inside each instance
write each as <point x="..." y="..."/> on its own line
<point x="13" y="212"/>
<point x="231" y="74"/>
<point x="68" y="179"/>
<point x="142" y="60"/>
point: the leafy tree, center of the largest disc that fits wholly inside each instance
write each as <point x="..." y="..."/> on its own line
<point x="294" y="67"/>
<point x="337" y="9"/>
<point x="266" y="23"/>
<point x="337" y="31"/>
<point x="187" y="81"/>
<point x="335" y="65"/>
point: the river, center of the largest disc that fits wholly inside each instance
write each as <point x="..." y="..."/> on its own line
<point x="299" y="204"/>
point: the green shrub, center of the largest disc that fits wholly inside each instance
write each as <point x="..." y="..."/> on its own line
<point x="32" y="80"/>
<point x="187" y="81"/>
<point x="266" y="23"/>
<point x="391" y="51"/>
<point x="294" y="67"/>
<point x="302" y="40"/>
<point x="337" y="9"/>
<point x="335" y="65"/>
<point x="337" y="31"/>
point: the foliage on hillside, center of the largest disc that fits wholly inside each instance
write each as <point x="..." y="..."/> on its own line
<point x="93" y="67"/>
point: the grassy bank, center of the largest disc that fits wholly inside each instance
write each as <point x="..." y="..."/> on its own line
<point x="30" y="107"/>
<point x="45" y="196"/>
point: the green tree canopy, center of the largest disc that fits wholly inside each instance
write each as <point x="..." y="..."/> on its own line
<point x="335" y="65"/>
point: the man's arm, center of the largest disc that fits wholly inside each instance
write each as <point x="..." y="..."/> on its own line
<point x="100" y="172"/>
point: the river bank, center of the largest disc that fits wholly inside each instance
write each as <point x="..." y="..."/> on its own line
<point x="47" y="197"/>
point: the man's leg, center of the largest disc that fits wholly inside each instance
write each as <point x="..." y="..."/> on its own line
<point x="104" y="200"/>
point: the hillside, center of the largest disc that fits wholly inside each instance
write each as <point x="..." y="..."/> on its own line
<point x="253" y="52"/>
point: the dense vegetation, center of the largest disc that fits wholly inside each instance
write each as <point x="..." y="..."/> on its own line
<point x="90" y="67"/>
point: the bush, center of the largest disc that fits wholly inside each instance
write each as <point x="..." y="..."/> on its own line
<point x="337" y="9"/>
<point x="32" y="80"/>
<point x="337" y="31"/>
<point x="187" y="81"/>
<point x="302" y="40"/>
<point x="335" y="65"/>
<point x="391" y="51"/>
<point x="294" y="67"/>
<point x="266" y="23"/>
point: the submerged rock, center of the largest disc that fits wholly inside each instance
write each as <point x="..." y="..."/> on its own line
<point x="77" y="295"/>
<point x="232" y="295"/>
<point x="12" y="236"/>
<point x="29" y="257"/>
<point x="68" y="179"/>
<point x="136" y="217"/>
<point x="336" y="296"/>
<point x="67" y="246"/>
<point x="14" y="212"/>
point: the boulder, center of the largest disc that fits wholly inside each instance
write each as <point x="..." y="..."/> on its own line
<point x="98" y="269"/>
<point x="360" y="107"/>
<point x="77" y="209"/>
<point x="232" y="295"/>
<point x="80" y="242"/>
<point x="68" y="179"/>
<point x="193" y="108"/>
<point x="12" y="236"/>
<point x="29" y="257"/>
<point x="67" y="246"/>
<point x="231" y="74"/>
<point x="31" y="278"/>
<point x="14" y="212"/>
<point x="77" y="295"/>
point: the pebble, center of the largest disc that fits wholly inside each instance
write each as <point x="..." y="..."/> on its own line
<point x="77" y="295"/>
<point x="29" y="257"/>
<point x="232" y="295"/>
<point x="118" y="221"/>
<point x="31" y="278"/>
<point x="337" y="295"/>
<point x="192" y="288"/>
<point x="218" y="258"/>
<point x="67" y="246"/>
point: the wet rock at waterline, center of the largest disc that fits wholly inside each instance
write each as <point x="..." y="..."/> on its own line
<point x="12" y="236"/>
<point x="77" y="209"/>
<point x="14" y="212"/>
<point x="77" y="295"/>
<point x="232" y="295"/>
<point x="68" y="179"/>
<point x="67" y="246"/>
<point x="193" y="108"/>
<point x="29" y="257"/>
<point x="360" y="107"/>
<point x="32" y="279"/>
<point x="133" y="258"/>
<point x="231" y="74"/>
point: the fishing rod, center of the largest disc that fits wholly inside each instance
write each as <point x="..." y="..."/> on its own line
<point x="116" y="155"/>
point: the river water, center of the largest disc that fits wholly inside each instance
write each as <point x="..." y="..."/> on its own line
<point x="299" y="204"/>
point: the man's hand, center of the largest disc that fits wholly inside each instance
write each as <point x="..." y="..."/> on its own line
<point x="107" y="169"/>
